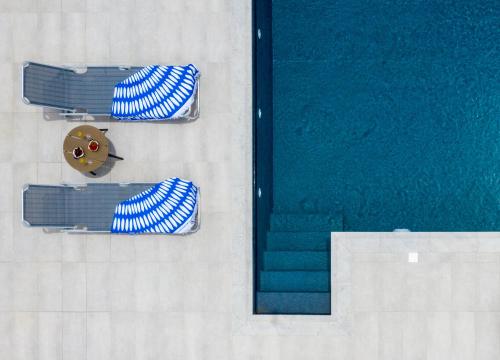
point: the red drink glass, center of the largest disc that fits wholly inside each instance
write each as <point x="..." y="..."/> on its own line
<point x="93" y="145"/>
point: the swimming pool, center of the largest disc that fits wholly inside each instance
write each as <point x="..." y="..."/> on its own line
<point x="386" y="112"/>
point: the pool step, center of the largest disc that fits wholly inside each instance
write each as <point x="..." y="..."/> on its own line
<point x="298" y="241"/>
<point x="313" y="303"/>
<point x="307" y="222"/>
<point x="294" y="281"/>
<point x="297" y="260"/>
<point x="294" y="268"/>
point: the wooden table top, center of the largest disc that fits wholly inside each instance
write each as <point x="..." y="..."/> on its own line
<point x="80" y="137"/>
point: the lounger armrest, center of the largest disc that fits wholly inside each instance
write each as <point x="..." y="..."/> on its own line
<point x="77" y="229"/>
<point x="75" y="112"/>
<point x="56" y="229"/>
<point x="77" y="69"/>
<point x="75" y="186"/>
<point x="70" y="229"/>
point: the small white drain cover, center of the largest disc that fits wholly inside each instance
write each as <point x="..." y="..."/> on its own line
<point x="413" y="257"/>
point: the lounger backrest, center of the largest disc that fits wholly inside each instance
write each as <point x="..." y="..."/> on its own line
<point x="90" y="91"/>
<point x="45" y="205"/>
<point x="46" y="85"/>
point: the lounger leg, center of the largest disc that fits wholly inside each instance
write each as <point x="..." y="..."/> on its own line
<point x="116" y="157"/>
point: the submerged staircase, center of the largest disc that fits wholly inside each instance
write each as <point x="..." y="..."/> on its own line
<point x="294" y="265"/>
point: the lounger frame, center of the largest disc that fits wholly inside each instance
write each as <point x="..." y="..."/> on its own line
<point x="82" y="229"/>
<point x="192" y="114"/>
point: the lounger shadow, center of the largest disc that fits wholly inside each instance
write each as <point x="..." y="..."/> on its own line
<point x="78" y="92"/>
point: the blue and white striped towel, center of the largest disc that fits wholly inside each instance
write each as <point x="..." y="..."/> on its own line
<point x="156" y="93"/>
<point x="169" y="207"/>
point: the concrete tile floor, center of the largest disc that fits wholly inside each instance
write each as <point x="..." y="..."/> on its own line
<point x="446" y="306"/>
<point x="91" y="297"/>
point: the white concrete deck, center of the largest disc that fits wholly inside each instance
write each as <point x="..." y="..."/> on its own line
<point x="77" y="297"/>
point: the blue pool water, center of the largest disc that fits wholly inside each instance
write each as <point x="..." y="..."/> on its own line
<point x="389" y="110"/>
<point x="370" y="115"/>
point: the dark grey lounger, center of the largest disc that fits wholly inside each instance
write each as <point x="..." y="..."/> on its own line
<point x="77" y="93"/>
<point x="77" y="208"/>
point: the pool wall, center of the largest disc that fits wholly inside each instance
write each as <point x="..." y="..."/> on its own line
<point x="262" y="131"/>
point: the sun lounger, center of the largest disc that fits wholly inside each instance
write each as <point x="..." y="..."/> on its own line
<point x="169" y="207"/>
<point x="125" y="93"/>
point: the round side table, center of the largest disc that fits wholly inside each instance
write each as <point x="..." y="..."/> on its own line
<point x="80" y="137"/>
